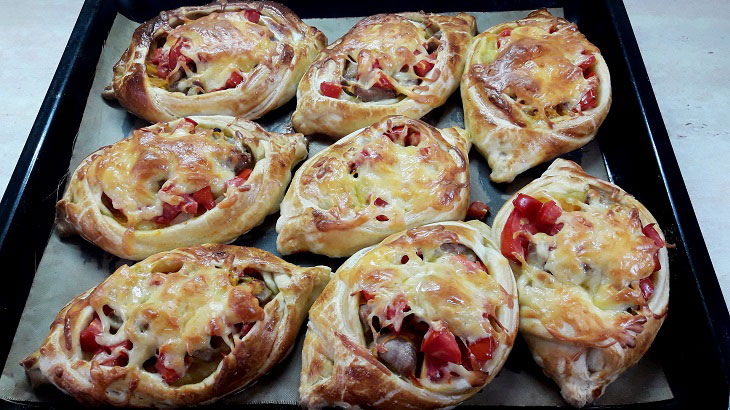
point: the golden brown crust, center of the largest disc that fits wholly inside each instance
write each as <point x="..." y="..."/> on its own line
<point x="340" y="366"/>
<point x="520" y="115"/>
<point x="394" y="175"/>
<point x="61" y="360"/>
<point x="267" y="81"/>
<point x="597" y="339"/>
<point x="161" y="164"/>
<point x="389" y="42"/>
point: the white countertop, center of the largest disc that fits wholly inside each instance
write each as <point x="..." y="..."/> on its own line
<point x="684" y="45"/>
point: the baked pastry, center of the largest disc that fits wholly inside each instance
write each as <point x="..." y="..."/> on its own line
<point x="182" y="183"/>
<point x="387" y="64"/>
<point x="532" y="90"/>
<point x="233" y="58"/>
<point x="592" y="273"/>
<point x="423" y="320"/>
<point x="396" y="174"/>
<point x="179" y="328"/>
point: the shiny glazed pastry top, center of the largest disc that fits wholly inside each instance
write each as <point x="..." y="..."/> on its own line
<point x="232" y="58"/>
<point x="186" y="182"/>
<point x="592" y="271"/>
<point x="387" y="64"/>
<point x="533" y="89"/>
<point x="396" y="174"/>
<point x="425" y="319"/>
<point x="177" y="329"/>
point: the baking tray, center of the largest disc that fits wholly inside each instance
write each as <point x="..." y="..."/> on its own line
<point x="693" y="346"/>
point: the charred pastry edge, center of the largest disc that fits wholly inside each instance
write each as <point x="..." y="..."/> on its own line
<point x="79" y="210"/>
<point x="263" y="347"/>
<point x="313" y="107"/>
<point x="132" y="88"/>
<point x="296" y="227"/>
<point x="487" y="127"/>
<point x="584" y="386"/>
<point x="357" y="377"/>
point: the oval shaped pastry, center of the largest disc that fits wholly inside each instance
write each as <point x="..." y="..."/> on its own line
<point x="182" y="183"/>
<point x="396" y="174"/>
<point x="179" y="328"/>
<point x="593" y="277"/>
<point x="234" y="58"/>
<point x="387" y="64"/>
<point x="532" y="90"/>
<point x="425" y="319"/>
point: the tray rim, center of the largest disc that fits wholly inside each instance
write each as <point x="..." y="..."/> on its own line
<point x="19" y="189"/>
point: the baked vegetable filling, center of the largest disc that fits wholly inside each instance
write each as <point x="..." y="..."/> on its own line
<point x="393" y="71"/>
<point x="210" y="53"/>
<point x="169" y="174"/>
<point x="538" y="73"/>
<point x="421" y="327"/>
<point x="178" y="319"/>
<point x="379" y="174"/>
<point x="583" y="249"/>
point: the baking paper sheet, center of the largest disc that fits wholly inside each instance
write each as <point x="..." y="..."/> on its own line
<point x="71" y="266"/>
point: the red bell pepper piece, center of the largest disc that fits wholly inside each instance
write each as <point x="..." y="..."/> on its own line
<point x="647" y="288"/>
<point x="204" y="197"/>
<point x="441" y="345"/>
<point x="329" y="89"/>
<point x="252" y="15"/>
<point x="167" y="374"/>
<point x="422" y="68"/>
<point x="477" y="210"/>
<point x="241" y="178"/>
<point x="483" y="349"/>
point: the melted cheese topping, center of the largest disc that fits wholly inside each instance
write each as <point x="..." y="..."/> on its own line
<point x="171" y="306"/>
<point x="581" y="282"/>
<point x="394" y="42"/>
<point x="533" y="74"/>
<point x="220" y="44"/>
<point x="439" y="286"/>
<point x="347" y="179"/>
<point x="161" y="163"/>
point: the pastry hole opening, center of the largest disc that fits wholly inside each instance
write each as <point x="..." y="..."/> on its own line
<point x="115" y="321"/>
<point x="194" y="16"/>
<point x="160" y="41"/>
<point x="149" y="364"/>
<point x="197" y="370"/>
<point x="241" y="159"/>
<point x="116" y="213"/>
<point x="495" y="324"/>
<point x="432" y="45"/>
<point x="376" y="323"/>
<point x="167" y="266"/>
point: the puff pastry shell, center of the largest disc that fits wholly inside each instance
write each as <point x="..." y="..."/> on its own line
<point x="447" y="280"/>
<point x="131" y="198"/>
<point x="179" y="328"/>
<point x="591" y="297"/>
<point x="532" y="90"/>
<point x="231" y="58"/>
<point x="387" y="64"/>
<point x="396" y="174"/>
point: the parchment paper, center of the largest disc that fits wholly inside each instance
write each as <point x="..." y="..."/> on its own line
<point x="71" y="266"/>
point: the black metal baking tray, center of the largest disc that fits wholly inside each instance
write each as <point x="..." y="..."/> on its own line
<point x="694" y="343"/>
